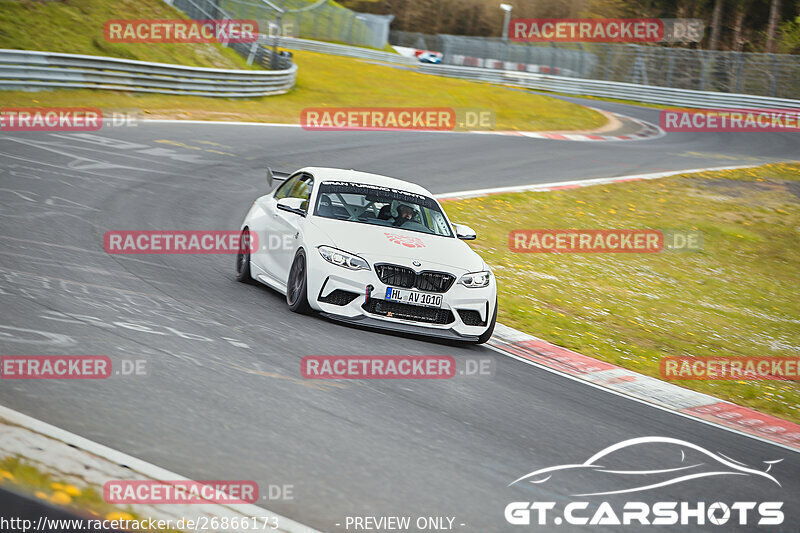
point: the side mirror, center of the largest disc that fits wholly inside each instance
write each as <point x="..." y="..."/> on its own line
<point x="293" y="205"/>
<point x="465" y="233"/>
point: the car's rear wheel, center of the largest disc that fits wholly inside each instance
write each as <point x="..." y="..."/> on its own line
<point x="296" y="286"/>
<point x="243" y="258"/>
<point x="486" y="335"/>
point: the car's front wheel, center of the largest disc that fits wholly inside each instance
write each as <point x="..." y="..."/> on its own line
<point x="243" y="258"/>
<point x="486" y="335"/>
<point x="296" y="286"/>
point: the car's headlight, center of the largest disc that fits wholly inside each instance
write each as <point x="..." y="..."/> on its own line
<point x="342" y="259"/>
<point x="475" y="280"/>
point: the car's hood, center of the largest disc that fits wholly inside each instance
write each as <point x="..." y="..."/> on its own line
<point x="379" y="244"/>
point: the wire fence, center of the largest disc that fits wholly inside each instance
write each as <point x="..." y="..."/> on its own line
<point x="320" y="20"/>
<point x="775" y="75"/>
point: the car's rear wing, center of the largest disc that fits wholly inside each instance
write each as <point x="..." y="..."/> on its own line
<point x="276" y="175"/>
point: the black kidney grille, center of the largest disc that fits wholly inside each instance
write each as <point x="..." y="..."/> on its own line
<point x="403" y="277"/>
<point x="396" y="276"/>
<point x="434" y="281"/>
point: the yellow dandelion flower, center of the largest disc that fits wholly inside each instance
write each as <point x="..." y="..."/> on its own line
<point x="72" y="490"/>
<point x="119" y="515"/>
<point x="60" y="498"/>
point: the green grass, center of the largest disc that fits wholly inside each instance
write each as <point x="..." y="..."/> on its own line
<point x="325" y="80"/>
<point x="76" y="27"/>
<point x="737" y="297"/>
<point x="22" y="477"/>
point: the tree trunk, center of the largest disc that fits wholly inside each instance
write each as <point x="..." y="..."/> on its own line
<point x="774" y="15"/>
<point x="738" y="23"/>
<point x="716" y="25"/>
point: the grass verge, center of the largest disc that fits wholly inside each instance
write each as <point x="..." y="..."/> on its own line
<point x="737" y="297"/>
<point x="334" y="81"/>
<point x="76" y="27"/>
<point x="19" y="476"/>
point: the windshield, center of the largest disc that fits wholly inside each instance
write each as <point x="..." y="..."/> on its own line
<point x="381" y="206"/>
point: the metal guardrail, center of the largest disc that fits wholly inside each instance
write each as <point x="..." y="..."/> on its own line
<point x="773" y="75"/>
<point x="338" y="50"/>
<point x="610" y="89"/>
<point x="26" y="70"/>
<point x="651" y="94"/>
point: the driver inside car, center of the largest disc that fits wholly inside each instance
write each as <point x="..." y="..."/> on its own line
<point x="404" y="214"/>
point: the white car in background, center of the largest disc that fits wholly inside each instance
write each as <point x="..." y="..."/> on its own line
<point x="370" y="250"/>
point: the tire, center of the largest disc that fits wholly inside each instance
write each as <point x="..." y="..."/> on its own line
<point x="296" y="286"/>
<point x="486" y="335"/>
<point x="243" y="258"/>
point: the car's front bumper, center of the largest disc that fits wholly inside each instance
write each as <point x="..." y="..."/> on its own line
<point x="477" y="304"/>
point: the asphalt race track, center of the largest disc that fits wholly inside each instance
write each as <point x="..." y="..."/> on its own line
<point x="224" y="398"/>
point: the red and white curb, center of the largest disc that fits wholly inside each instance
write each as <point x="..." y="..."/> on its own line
<point x="652" y="391"/>
<point x="574" y="184"/>
<point x="647" y="131"/>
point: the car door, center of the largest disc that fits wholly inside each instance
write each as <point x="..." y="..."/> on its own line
<point x="264" y="223"/>
<point x="288" y="226"/>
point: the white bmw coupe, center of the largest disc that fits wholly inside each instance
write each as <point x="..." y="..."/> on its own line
<point x="370" y="250"/>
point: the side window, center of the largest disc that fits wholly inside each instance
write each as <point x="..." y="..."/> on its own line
<point x="302" y="189"/>
<point x="286" y="187"/>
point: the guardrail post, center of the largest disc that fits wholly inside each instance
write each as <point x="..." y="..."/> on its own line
<point x="349" y="32"/>
<point x="253" y="50"/>
<point x="776" y="66"/>
<point x="739" y="71"/>
<point x="670" y="67"/>
<point x="703" y="70"/>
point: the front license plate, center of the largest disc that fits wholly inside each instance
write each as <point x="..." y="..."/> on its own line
<point x="414" y="297"/>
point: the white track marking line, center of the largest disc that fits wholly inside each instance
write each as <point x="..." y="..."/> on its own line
<point x="582" y="182"/>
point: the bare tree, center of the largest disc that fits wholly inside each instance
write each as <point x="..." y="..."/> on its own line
<point x="774" y="15"/>
<point x="716" y="25"/>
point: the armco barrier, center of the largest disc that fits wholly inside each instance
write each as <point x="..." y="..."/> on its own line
<point x="610" y="89"/>
<point x="338" y="50"/>
<point x="651" y="94"/>
<point x="29" y="70"/>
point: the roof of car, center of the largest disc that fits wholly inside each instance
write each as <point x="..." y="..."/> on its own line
<point x="356" y="176"/>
